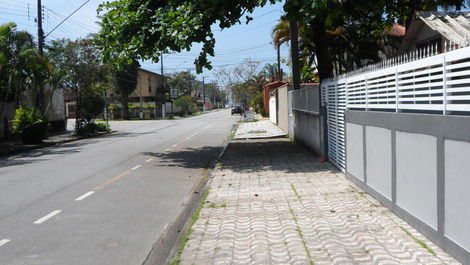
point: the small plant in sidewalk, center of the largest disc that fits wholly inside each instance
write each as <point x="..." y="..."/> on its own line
<point x="30" y="124"/>
<point x="102" y="127"/>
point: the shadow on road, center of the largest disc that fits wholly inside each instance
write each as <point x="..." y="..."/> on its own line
<point x="38" y="155"/>
<point x="187" y="158"/>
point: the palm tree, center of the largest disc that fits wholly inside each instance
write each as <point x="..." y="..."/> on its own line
<point x="269" y="71"/>
<point x="280" y="35"/>
<point x="16" y="48"/>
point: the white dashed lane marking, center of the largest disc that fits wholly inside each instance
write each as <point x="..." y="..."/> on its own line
<point x="136" y="167"/>
<point x="47" y="217"/>
<point x="84" y="196"/>
<point x="4" y="241"/>
<point x="148" y="160"/>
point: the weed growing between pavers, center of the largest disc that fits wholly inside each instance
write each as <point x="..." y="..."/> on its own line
<point x="299" y="231"/>
<point x="213" y="205"/>
<point x="295" y="191"/>
<point x="194" y="218"/>
<point x="418" y="241"/>
<point x="234" y="131"/>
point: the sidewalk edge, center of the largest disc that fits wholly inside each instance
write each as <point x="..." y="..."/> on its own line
<point x="164" y="251"/>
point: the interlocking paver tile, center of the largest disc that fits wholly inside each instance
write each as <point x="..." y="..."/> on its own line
<point x="271" y="202"/>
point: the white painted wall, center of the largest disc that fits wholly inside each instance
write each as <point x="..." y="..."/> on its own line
<point x="272" y="109"/>
<point x="457" y="192"/>
<point x="416" y="159"/>
<point x="355" y="150"/>
<point x="379" y="160"/>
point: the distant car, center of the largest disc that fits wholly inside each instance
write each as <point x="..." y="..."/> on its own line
<point x="237" y="109"/>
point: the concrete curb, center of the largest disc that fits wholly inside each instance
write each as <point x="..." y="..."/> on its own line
<point x="166" y="247"/>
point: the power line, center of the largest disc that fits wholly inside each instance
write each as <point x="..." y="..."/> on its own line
<point x="214" y="66"/>
<point x="13" y="14"/>
<point x="74" y="29"/>
<point x="67" y="17"/>
<point x="244" y="31"/>
<point x="74" y="21"/>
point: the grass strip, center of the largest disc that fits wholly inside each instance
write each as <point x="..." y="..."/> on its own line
<point x="185" y="238"/>
<point x="424" y="245"/>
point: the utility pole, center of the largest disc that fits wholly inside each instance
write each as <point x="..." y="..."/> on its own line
<point x="105" y="110"/>
<point x="163" y="83"/>
<point x="294" y="49"/>
<point x="40" y="31"/>
<point x="203" y="95"/>
<point x="190" y="86"/>
<point x="279" y="74"/>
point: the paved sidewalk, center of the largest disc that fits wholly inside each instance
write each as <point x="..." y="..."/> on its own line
<point x="258" y="129"/>
<point x="271" y="202"/>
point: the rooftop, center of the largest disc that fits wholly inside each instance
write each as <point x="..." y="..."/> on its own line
<point x="454" y="26"/>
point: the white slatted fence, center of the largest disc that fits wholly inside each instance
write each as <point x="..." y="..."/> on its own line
<point x="421" y="82"/>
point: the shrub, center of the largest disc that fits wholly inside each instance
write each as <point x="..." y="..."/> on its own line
<point x="102" y="127"/>
<point x="186" y="103"/>
<point x="258" y="104"/>
<point x="149" y="107"/>
<point x="30" y="124"/>
<point x="92" y="128"/>
<point x="133" y="106"/>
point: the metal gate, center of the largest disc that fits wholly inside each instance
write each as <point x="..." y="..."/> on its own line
<point x="334" y="95"/>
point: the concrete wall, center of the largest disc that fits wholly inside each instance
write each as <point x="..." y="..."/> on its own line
<point x="305" y="123"/>
<point x="273" y="109"/>
<point x="282" y="111"/>
<point x="418" y="165"/>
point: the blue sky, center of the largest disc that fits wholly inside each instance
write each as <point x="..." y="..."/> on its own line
<point x="233" y="45"/>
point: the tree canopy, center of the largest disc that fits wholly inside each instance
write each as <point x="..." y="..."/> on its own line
<point x="135" y="29"/>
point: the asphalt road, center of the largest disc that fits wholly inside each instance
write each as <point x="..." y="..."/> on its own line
<point x="104" y="200"/>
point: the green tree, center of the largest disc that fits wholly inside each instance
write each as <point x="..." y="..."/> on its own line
<point x="184" y="82"/>
<point x="144" y="29"/>
<point x="218" y="96"/>
<point x="87" y="77"/>
<point x="126" y="83"/>
<point x="269" y="72"/>
<point x="257" y="103"/>
<point x="16" y="50"/>
<point x="243" y="81"/>
<point x="186" y="103"/>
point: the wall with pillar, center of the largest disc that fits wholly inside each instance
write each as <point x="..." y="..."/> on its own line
<point x="418" y="165"/>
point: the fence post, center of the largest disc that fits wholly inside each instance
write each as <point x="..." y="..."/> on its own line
<point x="367" y="93"/>
<point x="444" y="84"/>
<point x="396" y="90"/>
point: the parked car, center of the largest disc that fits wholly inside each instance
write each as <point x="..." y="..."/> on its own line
<point x="237" y="109"/>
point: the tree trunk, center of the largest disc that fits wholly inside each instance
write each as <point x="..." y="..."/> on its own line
<point x="325" y="70"/>
<point x="320" y="39"/>
<point x="294" y="35"/>
<point x="7" y="95"/>
<point x="125" y="107"/>
<point x="78" y="115"/>
<point x="279" y="75"/>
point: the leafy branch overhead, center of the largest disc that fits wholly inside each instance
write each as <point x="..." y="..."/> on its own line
<point x="144" y="29"/>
